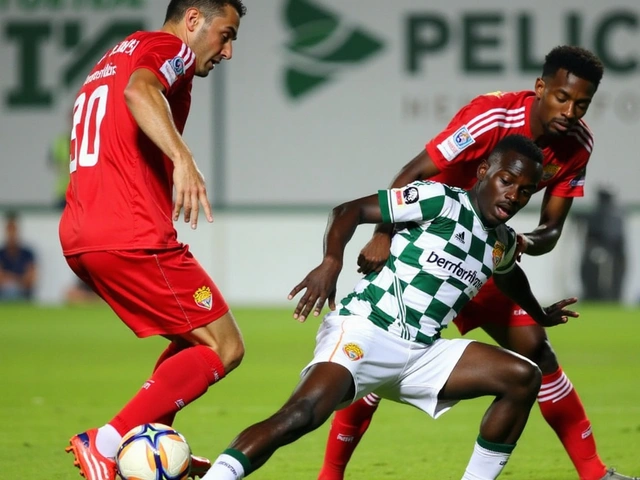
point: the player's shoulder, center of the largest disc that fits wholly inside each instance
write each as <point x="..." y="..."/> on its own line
<point x="580" y="139"/>
<point x="499" y="99"/>
<point x="440" y="189"/>
<point x="156" y="37"/>
<point x="506" y="235"/>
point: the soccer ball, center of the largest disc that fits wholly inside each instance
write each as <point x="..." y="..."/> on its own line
<point x="153" y="452"/>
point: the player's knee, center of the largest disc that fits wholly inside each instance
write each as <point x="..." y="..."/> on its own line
<point x="525" y="380"/>
<point x="231" y="353"/>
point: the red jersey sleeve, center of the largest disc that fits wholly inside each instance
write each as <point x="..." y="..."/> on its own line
<point x="170" y="59"/>
<point x="570" y="180"/>
<point x="470" y="134"/>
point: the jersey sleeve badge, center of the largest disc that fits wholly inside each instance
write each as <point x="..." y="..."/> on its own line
<point x="579" y="180"/>
<point x="456" y="143"/>
<point x="176" y="67"/>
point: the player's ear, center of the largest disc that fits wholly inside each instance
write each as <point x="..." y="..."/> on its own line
<point x="191" y="17"/>
<point x="539" y="87"/>
<point x="482" y="169"/>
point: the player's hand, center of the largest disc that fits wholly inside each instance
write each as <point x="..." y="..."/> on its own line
<point x="557" y="314"/>
<point x="374" y="254"/>
<point x="191" y="192"/>
<point x="320" y="285"/>
<point x="522" y="244"/>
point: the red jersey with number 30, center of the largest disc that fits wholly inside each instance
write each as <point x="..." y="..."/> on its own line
<point x="121" y="188"/>
<point x="480" y="125"/>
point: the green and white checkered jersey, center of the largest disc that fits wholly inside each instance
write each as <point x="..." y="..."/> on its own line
<point x="439" y="260"/>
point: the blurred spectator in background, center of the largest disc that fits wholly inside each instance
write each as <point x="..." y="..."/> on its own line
<point x="603" y="259"/>
<point x="17" y="264"/>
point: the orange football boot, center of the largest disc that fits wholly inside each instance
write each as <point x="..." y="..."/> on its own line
<point x="92" y="465"/>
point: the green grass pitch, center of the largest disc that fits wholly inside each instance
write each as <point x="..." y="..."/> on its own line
<point x="63" y="370"/>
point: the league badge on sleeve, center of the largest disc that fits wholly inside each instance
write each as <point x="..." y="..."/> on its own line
<point x="172" y="69"/>
<point x="579" y="180"/>
<point x="456" y="143"/>
<point x="203" y="297"/>
<point x="177" y="64"/>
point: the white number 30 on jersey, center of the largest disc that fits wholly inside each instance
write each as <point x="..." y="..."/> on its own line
<point x="87" y="117"/>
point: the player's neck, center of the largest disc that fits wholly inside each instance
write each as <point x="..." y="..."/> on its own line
<point x="537" y="131"/>
<point x="175" y="30"/>
<point x="473" y="198"/>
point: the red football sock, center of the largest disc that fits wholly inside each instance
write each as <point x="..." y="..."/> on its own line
<point x="562" y="409"/>
<point x="347" y="428"/>
<point x="169" y="352"/>
<point x="178" y="381"/>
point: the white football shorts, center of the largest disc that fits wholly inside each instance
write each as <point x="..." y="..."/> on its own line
<point x="394" y="368"/>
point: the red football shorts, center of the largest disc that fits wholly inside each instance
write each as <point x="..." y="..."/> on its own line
<point x="154" y="292"/>
<point x="491" y="306"/>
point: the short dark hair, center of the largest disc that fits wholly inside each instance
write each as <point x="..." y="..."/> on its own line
<point x="519" y="144"/>
<point x="576" y="60"/>
<point x="210" y="8"/>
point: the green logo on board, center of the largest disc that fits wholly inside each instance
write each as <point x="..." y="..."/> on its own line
<point x="321" y="47"/>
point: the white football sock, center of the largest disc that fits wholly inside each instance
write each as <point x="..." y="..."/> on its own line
<point x="225" y="468"/>
<point x="107" y="441"/>
<point x="485" y="464"/>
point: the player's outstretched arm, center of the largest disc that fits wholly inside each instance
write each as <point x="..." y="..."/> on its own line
<point x="543" y="238"/>
<point x="515" y="285"/>
<point x="375" y="253"/>
<point x="145" y="98"/>
<point x="320" y="283"/>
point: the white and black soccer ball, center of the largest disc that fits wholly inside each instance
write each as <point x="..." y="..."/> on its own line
<point x="153" y="451"/>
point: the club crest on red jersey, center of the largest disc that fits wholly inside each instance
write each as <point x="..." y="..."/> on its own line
<point x="203" y="297"/>
<point x="550" y="171"/>
<point x="498" y="253"/>
<point x="353" y="351"/>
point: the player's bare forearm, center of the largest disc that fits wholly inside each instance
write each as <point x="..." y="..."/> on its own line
<point x="545" y="236"/>
<point x="542" y="240"/>
<point x="515" y="285"/>
<point x="344" y="220"/>
<point x="146" y="101"/>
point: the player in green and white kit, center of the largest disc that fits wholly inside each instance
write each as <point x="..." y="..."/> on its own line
<point x="385" y="336"/>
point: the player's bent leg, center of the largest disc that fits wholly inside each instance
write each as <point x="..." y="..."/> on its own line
<point x="559" y="403"/>
<point x="321" y="390"/>
<point x="204" y="358"/>
<point x="347" y="429"/>
<point x="514" y="381"/>
<point x="223" y="336"/>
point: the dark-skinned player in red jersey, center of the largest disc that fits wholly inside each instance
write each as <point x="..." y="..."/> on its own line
<point x="551" y="114"/>
<point x="117" y="232"/>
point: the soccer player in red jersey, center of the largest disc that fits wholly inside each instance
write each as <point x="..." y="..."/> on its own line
<point x="551" y="115"/>
<point x="117" y="233"/>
